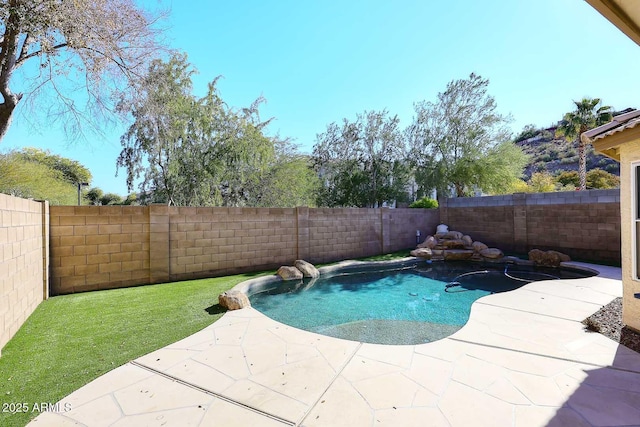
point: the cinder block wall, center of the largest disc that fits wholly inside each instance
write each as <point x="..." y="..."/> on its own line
<point x="487" y="219"/>
<point x="112" y="246"/>
<point x="23" y="261"/>
<point x="98" y="247"/>
<point x="217" y="241"/>
<point x="403" y="224"/>
<point x="582" y="224"/>
<point x="344" y="233"/>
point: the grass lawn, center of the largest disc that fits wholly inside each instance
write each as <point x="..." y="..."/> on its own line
<point x="72" y="339"/>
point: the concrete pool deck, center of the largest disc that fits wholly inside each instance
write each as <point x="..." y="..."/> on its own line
<point x="523" y="359"/>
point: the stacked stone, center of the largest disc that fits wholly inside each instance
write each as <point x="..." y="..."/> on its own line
<point x="454" y="246"/>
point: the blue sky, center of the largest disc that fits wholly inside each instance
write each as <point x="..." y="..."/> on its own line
<point x="317" y="62"/>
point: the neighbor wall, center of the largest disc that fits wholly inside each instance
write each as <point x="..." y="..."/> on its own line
<point x="583" y="224"/>
<point x="112" y="246"/>
<point x="98" y="247"/>
<point x="217" y="241"/>
<point x="23" y="261"/>
<point x="402" y="225"/>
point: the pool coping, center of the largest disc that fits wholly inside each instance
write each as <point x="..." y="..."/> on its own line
<point x="257" y="284"/>
<point x="523" y="358"/>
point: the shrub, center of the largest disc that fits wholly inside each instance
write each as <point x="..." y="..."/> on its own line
<point x="541" y="182"/>
<point x="597" y="178"/>
<point x="568" y="178"/>
<point x="425" y="203"/>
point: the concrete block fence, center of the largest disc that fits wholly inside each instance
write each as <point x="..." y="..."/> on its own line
<point x="582" y="224"/>
<point x="64" y="249"/>
<point x="24" y="261"/>
<point x="101" y="247"/>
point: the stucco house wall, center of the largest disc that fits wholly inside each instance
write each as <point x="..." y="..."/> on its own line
<point x="629" y="154"/>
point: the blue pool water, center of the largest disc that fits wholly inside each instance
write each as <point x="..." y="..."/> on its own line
<point x="403" y="306"/>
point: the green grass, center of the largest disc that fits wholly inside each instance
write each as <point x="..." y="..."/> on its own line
<point x="72" y="339"/>
<point x="388" y="257"/>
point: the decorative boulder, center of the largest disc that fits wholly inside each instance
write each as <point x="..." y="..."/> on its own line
<point x="468" y="241"/>
<point x="457" y="254"/>
<point x="478" y="246"/>
<point x="422" y="253"/>
<point x="491" y="253"/>
<point x="452" y="244"/>
<point x="306" y="268"/>
<point x="289" y="273"/>
<point x="563" y="257"/>
<point x="453" y="235"/>
<point x="233" y="300"/>
<point x="430" y="242"/>
<point x="548" y="258"/>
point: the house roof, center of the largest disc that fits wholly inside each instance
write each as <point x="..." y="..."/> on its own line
<point x="624" y="14"/>
<point x="608" y="137"/>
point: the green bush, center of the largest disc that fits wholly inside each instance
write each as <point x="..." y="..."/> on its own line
<point x="425" y="203"/>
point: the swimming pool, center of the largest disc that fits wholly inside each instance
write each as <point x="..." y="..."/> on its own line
<point x="407" y="304"/>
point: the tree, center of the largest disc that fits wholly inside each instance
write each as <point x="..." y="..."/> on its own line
<point x="95" y="196"/>
<point x="361" y="163"/>
<point x="596" y="179"/>
<point x="23" y="177"/>
<point x="529" y="131"/>
<point x="153" y="144"/>
<point x="599" y="179"/>
<point x="94" y="46"/>
<point x="541" y="182"/>
<point x="111" y="199"/>
<point x="289" y="182"/>
<point x="72" y="171"/>
<point x="193" y="151"/>
<point x="588" y="114"/>
<point x="462" y="143"/>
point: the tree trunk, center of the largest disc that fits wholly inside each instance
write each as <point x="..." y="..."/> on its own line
<point x="582" y="165"/>
<point x="6" y="113"/>
<point x="8" y="58"/>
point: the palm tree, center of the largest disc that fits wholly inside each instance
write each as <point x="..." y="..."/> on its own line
<point x="587" y="115"/>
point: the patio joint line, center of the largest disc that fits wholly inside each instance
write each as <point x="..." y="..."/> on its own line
<point x="497" y="347"/>
<point x="571" y="298"/>
<point x="214" y="394"/>
<point x="338" y="373"/>
<point x="534" y="312"/>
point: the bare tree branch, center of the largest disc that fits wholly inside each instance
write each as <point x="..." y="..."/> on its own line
<point x="107" y="44"/>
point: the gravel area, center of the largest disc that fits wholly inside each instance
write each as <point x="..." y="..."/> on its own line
<point x="608" y="322"/>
